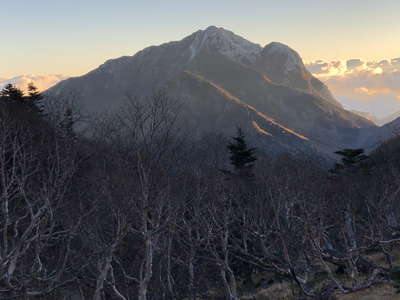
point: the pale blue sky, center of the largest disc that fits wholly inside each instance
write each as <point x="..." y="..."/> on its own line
<point x="71" y="37"/>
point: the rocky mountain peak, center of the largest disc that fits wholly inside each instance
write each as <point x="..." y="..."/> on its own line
<point x="286" y="56"/>
<point x="224" y="42"/>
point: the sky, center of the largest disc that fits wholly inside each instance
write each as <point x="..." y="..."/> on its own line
<point x="72" y="37"/>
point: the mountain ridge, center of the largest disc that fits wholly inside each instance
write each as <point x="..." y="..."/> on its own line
<point x="272" y="79"/>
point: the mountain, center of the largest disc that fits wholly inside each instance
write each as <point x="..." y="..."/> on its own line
<point x="371" y="138"/>
<point x="42" y="82"/>
<point x="368" y="116"/>
<point x="390" y="118"/>
<point x="378" y="121"/>
<point x="284" y="66"/>
<point x="388" y="131"/>
<point x="225" y="81"/>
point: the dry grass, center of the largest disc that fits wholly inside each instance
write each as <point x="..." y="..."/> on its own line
<point x="378" y="292"/>
<point x="283" y="291"/>
<point x="277" y="291"/>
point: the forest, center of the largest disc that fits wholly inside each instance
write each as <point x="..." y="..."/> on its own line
<point x="133" y="207"/>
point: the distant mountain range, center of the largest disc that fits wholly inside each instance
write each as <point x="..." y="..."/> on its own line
<point x="42" y="82"/>
<point x="375" y="119"/>
<point x="367" y="116"/>
<point x="225" y="81"/>
<point x="389" y="119"/>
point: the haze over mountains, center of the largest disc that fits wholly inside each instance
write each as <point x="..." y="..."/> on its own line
<point x="225" y="81"/>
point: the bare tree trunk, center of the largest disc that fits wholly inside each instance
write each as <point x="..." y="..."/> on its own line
<point x="170" y="283"/>
<point x="146" y="269"/>
<point x="98" y="294"/>
<point x="229" y="281"/>
<point x="192" y="289"/>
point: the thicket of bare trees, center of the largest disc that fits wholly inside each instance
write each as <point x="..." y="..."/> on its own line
<point x="142" y="211"/>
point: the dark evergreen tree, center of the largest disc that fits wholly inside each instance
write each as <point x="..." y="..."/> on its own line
<point x="35" y="98"/>
<point x="350" y="158"/>
<point x="242" y="157"/>
<point x="26" y="108"/>
<point x="12" y="93"/>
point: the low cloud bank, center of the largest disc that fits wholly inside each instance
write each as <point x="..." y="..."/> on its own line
<point x="370" y="86"/>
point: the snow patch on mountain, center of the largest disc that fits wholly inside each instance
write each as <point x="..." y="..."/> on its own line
<point x="226" y="43"/>
<point x="42" y="82"/>
<point x="293" y="59"/>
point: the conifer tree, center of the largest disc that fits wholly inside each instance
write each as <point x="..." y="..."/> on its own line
<point x="242" y="157"/>
<point x="28" y="104"/>
<point x="35" y="97"/>
<point x="350" y="158"/>
<point x="12" y="93"/>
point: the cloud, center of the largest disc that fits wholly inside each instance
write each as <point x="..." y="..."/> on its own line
<point x="322" y="68"/>
<point x="354" y="63"/>
<point x="370" y="86"/>
<point x="372" y="92"/>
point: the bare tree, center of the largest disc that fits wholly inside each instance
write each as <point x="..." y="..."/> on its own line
<point x="35" y="177"/>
